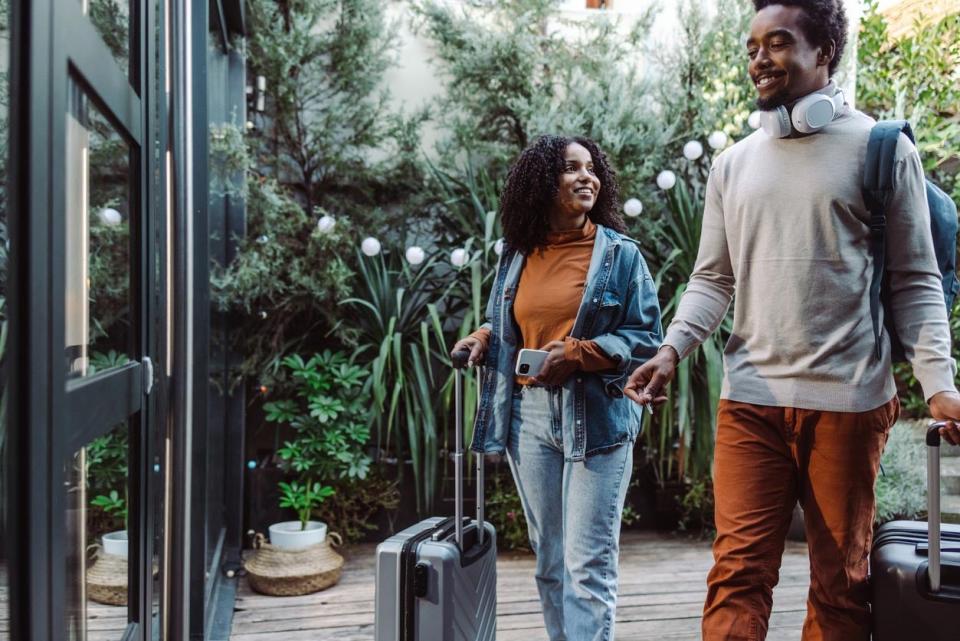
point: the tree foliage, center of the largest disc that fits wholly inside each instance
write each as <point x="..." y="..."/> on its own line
<point x="917" y="77"/>
<point x="328" y="119"/>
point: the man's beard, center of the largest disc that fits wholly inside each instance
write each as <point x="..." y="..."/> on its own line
<point x="778" y="99"/>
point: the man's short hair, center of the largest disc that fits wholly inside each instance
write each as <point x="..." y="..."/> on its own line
<point x="823" y="20"/>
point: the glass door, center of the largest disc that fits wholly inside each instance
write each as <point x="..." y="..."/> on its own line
<point x="91" y="245"/>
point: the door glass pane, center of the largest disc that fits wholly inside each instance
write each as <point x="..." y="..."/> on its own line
<point x="98" y="491"/>
<point x="98" y="233"/>
<point x="4" y="93"/>
<point x="111" y="19"/>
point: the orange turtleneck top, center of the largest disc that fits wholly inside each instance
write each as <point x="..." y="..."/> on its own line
<point x="549" y="296"/>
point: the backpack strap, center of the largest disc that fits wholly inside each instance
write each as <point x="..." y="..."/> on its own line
<point x="877" y="191"/>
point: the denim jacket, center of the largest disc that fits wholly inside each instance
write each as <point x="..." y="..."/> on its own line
<point x="619" y="312"/>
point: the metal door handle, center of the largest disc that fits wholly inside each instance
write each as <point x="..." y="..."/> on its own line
<point x="147" y="375"/>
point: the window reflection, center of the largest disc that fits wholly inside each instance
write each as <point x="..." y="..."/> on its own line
<point x="98" y="226"/>
<point x="98" y="494"/>
<point x="111" y="19"/>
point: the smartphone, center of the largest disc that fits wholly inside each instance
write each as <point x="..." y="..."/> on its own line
<point x="530" y="361"/>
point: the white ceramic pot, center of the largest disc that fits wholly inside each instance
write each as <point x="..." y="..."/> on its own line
<point x="289" y="536"/>
<point x="115" y="543"/>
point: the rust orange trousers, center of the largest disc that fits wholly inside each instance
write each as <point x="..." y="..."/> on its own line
<point x="766" y="459"/>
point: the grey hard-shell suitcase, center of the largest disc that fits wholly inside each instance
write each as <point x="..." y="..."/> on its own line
<point x="437" y="580"/>
<point x="915" y="570"/>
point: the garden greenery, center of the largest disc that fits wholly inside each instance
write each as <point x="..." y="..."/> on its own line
<point x="322" y="399"/>
<point x="916" y="77"/>
<point x="330" y="143"/>
<point x="902" y="487"/>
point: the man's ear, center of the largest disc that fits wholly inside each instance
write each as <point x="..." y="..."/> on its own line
<point x="826" y="53"/>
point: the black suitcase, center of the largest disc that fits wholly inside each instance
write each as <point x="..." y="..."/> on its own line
<point x="437" y="580"/>
<point x="915" y="570"/>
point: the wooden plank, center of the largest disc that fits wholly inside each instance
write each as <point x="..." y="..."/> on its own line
<point x="662" y="588"/>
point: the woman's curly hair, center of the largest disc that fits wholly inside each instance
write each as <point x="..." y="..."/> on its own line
<point x="532" y="186"/>
<point x="823" y="21"/>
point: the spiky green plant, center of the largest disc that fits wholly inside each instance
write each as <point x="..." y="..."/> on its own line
<point x="681" y="437"/>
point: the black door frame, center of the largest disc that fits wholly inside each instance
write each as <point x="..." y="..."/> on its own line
<point x="54" y="44"/>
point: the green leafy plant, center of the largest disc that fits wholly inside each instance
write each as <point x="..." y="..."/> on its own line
<point x="399" y="330"/>
<point x="902" y="486"/>
<point x="356" y="502"/>
<point x="107" y="457"/>
<point x="107" y="470"/>
<point x="515" y="70"/>
<point x="325" y="406"/>
<point x="329" y="135"/>
<point x="303" y="499"/>
<point x="681" y="437"/>
<point x="112" y="504"/>
<point x="283" y="284"/>
<point x="914" y="76"/>
<point x="697" y="507"/>
<point x="505" y="511"/>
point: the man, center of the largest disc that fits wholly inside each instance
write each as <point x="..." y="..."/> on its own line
<point x="806" y="404"/>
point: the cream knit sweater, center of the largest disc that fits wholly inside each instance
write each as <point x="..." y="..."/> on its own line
<point x="785" y="236"/>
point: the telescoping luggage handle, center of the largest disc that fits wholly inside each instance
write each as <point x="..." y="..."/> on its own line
<point x="459" y="360"/>
<point x="933" y="504"/>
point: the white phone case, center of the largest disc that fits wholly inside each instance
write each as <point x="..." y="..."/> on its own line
<point x="530" y="361"/>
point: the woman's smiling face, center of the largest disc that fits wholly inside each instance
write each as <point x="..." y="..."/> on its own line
<point x="579" y="186"/>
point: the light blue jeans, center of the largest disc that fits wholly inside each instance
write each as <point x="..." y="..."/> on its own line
<point x="573" y="514"/>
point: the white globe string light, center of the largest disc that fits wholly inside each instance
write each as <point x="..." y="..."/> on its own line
<point x="415" y="255"/>
<point x="633" y="207"/>
<point x="110" y="216"/>
<point x="326" y="224"/>
<point x="458" y="257"/>
<point x="717" y="140"/>
<point x="692" y="150"/>
<point x="666" y="179"/>
<point x="370" y="246"/>
<point x="754" y="119"/>
<point x="498" y="247"/>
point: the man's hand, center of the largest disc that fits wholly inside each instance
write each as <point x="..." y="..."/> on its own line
<point x="648" y="381"/>
<point x="556" y="368"/>
<point x="945" y="406"/>
<point x="477" y="348"/>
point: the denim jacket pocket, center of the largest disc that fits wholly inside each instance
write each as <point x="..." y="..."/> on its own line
<point x="614" y="383"/>
<point x="609" y="310"/>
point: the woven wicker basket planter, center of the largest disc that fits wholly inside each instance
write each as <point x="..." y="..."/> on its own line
<point x="278" y="572"/>
<point x="107" y="580"/>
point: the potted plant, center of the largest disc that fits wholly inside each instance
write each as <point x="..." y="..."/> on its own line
<point x="107" y="470"/>
<point x="329" y="415"/>
<point x="114" y="505"/>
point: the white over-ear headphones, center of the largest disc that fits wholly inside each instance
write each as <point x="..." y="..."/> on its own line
<point x="809" y="114"/>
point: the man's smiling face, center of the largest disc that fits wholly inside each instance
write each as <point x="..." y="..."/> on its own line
<point x="784" y="66"/>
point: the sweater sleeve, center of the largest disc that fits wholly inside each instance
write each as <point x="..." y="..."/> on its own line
<point x="587" y="355"/>
<point x="710" y="289"/>
<point x="916" y="292"/>
<point x="483" y="335"/>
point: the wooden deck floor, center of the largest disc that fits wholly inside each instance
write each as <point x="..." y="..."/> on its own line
<point x="662" y="587"/>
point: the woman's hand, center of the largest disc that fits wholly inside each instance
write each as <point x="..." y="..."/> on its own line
<point x="556" y="368"/>
<point x="476" y="347"/>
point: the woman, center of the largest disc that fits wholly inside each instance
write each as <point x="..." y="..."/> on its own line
<point x="569" y="283"/>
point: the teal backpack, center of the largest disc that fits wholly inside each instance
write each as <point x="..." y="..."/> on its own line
<point x="877" y="191"/>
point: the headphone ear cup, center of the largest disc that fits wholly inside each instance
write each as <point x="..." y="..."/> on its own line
<point x="776" y="122"/>
<point x="813" y="113"/>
